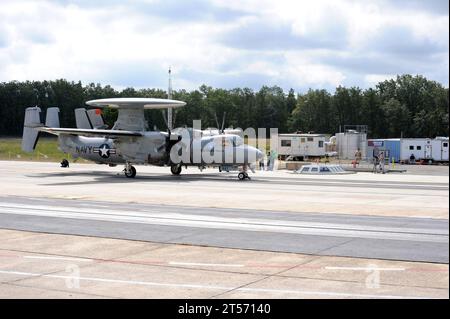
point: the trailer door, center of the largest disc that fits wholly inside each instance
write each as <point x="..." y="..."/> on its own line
<point x="444" y="149"/>
<point x="428" y="150"/>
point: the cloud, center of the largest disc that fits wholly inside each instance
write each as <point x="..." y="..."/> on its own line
<point x="185" y="11"/>
<point x="260" y="35"/>
<point x="440" y="7"/>
<point x="4" y="37"/>
<point x="224" y="43"/>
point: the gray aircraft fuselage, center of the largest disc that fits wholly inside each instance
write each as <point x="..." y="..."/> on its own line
<point x="147" y="149"/>
<point x="151" y="149"/>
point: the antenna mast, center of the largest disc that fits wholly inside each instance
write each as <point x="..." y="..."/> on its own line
<point x="169" y="96"/>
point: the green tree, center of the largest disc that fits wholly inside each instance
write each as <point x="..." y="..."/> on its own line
<point x="313" y="112"/>
<point x="397" y="117"/>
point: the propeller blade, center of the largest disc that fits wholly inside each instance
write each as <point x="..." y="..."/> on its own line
<point x="165" y="121"/>
<point x="217" y="121"/>
<point x="223" y="122"/>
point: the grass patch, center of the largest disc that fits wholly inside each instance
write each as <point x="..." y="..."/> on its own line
<point x="46" y="150"/>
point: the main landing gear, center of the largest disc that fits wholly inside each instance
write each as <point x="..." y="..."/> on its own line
<point x="64" y="163"/>
<point x="175" y="169"/>
<point x="129" y="171"/>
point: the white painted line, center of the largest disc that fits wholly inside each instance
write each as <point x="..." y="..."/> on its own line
<point x="246" y="224"/>
<point x="58" y="258"/>
<point x="206" y="265"/>
<point x="368" y="268"/>
<point x="198" y="286"/>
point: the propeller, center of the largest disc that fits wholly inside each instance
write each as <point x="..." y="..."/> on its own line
<point x="222" y="127"/>
<point x="223" y="122"/>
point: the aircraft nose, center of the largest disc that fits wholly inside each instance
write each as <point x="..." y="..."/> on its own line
<point x="259" y="155"/>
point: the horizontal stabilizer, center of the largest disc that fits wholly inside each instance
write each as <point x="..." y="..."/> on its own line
<point x="89" y="132"/>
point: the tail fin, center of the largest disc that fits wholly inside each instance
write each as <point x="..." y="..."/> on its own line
<point x="91" y="119"/>
<point x="82" y="119"/>
<point x="52" y="119"/>
<point x="30" y="133"/>
<point x="96" y="119"/>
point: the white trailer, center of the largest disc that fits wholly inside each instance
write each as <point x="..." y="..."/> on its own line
<point x="439" y="149"/>
<point x="424" y="149"/>
<point x="301" y="146"/>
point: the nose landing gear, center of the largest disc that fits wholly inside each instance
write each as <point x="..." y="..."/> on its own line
<point x="175" y="169"/>
<point x="243" y="175"/>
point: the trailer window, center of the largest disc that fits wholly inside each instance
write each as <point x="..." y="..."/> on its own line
<point x="302" y="140"/>
<point x="320" y="143"/>
<point x="285" y="143"/>
<point x="411" y="147"/>
<point x="310" y="139"/>
<point x="419" y="147"/>
<point x="445" y="144"/>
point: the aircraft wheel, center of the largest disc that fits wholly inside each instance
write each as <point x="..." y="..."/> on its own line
<point x="131" y="173"/>
<point x="175" y="169"/>
<point x="64" y="163"/>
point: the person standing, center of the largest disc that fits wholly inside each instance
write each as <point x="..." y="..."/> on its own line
<point x="381" y="159"/>
<point x="375" y="160"/>
<point x="273" y="158"/>
<point x="358" y="156"/>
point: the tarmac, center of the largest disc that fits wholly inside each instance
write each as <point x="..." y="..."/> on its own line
<point x="87" y="231"/>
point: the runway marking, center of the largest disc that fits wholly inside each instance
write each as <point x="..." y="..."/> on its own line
<point x="368" y="268"/>
<point x="442" y="186"/>
<point x="58" y="258"/>
<point x="202" y="264"/>
<point x="208" y="287"/>
<point x="259" y="265"/>
<point x="245" y="224"/>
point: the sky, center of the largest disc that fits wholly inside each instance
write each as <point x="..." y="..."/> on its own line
<point x="318" y="44"/>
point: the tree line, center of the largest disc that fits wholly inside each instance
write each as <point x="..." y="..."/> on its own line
<point x="408" y="106"/>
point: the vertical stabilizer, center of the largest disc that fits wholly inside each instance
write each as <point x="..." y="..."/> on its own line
<point x="82" y="120"/>
<point x="96" y="118"/>
<point x="30" y="133"/>
<point x="52" y="118"/>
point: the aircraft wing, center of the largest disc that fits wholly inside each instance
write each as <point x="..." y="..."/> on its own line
<point x="89" y="132"/>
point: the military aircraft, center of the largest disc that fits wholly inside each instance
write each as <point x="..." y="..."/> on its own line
<point x="130" y="143"/>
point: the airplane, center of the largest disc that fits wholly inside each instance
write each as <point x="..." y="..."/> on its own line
<point x="129" y="142"/>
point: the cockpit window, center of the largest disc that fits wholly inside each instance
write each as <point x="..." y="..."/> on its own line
<point x="237" y="141"/>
